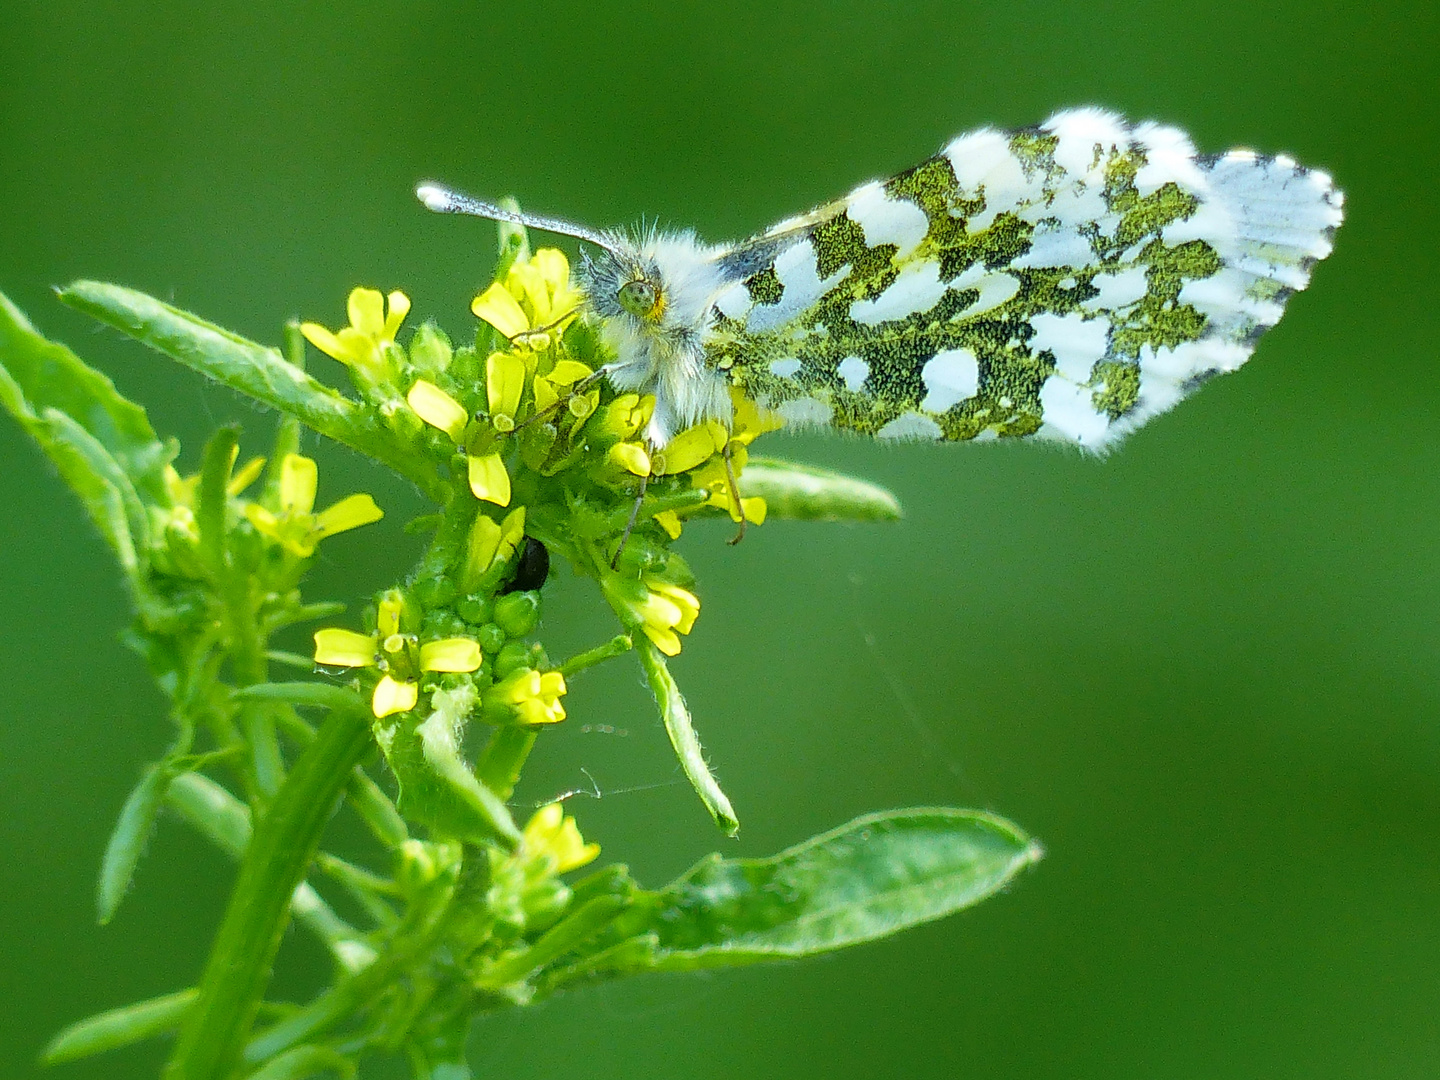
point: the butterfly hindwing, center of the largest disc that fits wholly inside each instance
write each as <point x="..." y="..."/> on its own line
<point x="1067" y="281"/>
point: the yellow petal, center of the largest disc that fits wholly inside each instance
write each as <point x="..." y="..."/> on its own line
<point x="755" y="509"/>
<point x="545" y="394"/>
<point x="686" y="603"/>
<point x="504" y="383"/>
<point x="451" y="654"/>
<point x="298" y="477"/>
<point x="366" y="308"/>
<point x="512" y="531"/>
<point x="497" y="307"/>
<point x="480" y="551"/>
<point x="534" y="290"/>
<point x="349" y="513"/>
<point x="324" y="340"/>
<point x="750" y="420"/>
<point x="630" y="456"/>
<point x="665" y="640"/>
<point x="570" y="849"/>
<point x="552" y="684"/>
<point x="689" y="449"/>
<point x="392" y="697"/>
<point x="399" y="308"/>
<point x="264" y="521"/>
<point x="489" y="480"/>
<point x="670" y="522"/>
<point x="553" y="267"/>
<point x="438" y="409"/>
<point x="344" y="648"/>
<point x="243" y="477"/>
<point x="568" y="372"/>
<point x="387" y="619"/>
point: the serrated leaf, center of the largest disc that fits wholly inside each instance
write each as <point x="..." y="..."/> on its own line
<point x="804" y="493"/>
<point x="127" y="841"/>
<point x="118" y="1027"/>
<point x="38" y="374"/>
<point x="252" y="369"/>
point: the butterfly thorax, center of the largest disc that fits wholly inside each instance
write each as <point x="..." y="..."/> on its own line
<point x="653" y="298"/>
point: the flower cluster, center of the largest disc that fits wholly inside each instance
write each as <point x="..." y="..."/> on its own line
<point x="525" y="426"/>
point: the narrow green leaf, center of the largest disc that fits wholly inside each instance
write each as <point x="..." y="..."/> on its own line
<point x="568" y="934"/>
<point x="118" y="1027"/>
<point x="320" y="695"/>
<point x="212" y="811"/>
<point x="127" y="841"/>
<point x="252" y="369"/>
<point x="805" y="493"/>
<point x="682" y="736"/>
<point x="874" y="877"/>
<point x="212" y="499"/>
<point x="303" y="1062"/>
<point x="103" y="488"/>
<point x="38" y="374"/>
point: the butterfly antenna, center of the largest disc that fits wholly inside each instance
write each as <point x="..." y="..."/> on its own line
<point x="443" y="200"/>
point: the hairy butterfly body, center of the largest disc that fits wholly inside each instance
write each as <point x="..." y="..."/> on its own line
<point x="1066" y="282"/>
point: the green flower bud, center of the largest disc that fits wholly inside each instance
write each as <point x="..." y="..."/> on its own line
<point x="513" y="656"/>
<point x="517" y="613"/>
<point x="492" y="639"/>
<point x="475" y="609"/>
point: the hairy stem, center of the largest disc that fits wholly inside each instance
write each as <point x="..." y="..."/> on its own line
<point x="285" y="841"/>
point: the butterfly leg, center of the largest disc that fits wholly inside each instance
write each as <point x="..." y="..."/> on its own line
<point x="630" y="525"/>
<point x="564" y="403"/>
<point x="737" y="506"/>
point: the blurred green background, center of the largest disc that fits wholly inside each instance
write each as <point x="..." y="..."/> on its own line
<point x="1205" y="672"/>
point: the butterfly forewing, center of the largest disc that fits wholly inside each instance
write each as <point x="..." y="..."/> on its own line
<point x="1067" y="281"/>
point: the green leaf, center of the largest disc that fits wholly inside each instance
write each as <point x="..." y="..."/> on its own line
<point x="303" y="1062"/>
<point x="37" y="374"/>
<point x="103" y="488"/>
<point x="878" y="875"/>
<point x="676" y="717"/>
<point x="127" y="841"/>
<point x="805" y="493"/>
<point x="118" y="1027"/>
<point x="255" y="370"/>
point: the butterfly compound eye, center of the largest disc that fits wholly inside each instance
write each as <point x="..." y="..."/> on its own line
<point x="639" y="298"/>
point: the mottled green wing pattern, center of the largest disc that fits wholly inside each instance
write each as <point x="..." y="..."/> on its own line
<point x="1068" y="281"/>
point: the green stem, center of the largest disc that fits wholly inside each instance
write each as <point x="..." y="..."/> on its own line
<point x="283" y="846"/>
<point x="503" y="758"/>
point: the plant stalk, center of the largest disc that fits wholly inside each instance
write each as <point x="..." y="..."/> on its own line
<point x="281" y="850"/>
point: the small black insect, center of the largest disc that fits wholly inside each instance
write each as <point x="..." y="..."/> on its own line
<point x="531" y="569"/>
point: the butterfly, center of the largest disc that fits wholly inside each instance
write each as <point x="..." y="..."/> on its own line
<point x="1066" y="282"/>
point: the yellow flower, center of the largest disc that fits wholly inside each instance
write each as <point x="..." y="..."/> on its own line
<point x="400" y="656"/>
<point x="486" y="468"/>
<point x="693" y="446"/>
<point x="564" y="374"/>
<point x="622" y="418"/>
<point x="663" y="611"/>
<point x="534" y="300"/>
<point x="532" y="696"/>
<point x="553" y="835"/>
<point x="297" y="529"/>
<point x="491" y="543"/>
<point x="180" y="516"/>
<point x="371" y="334"/>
